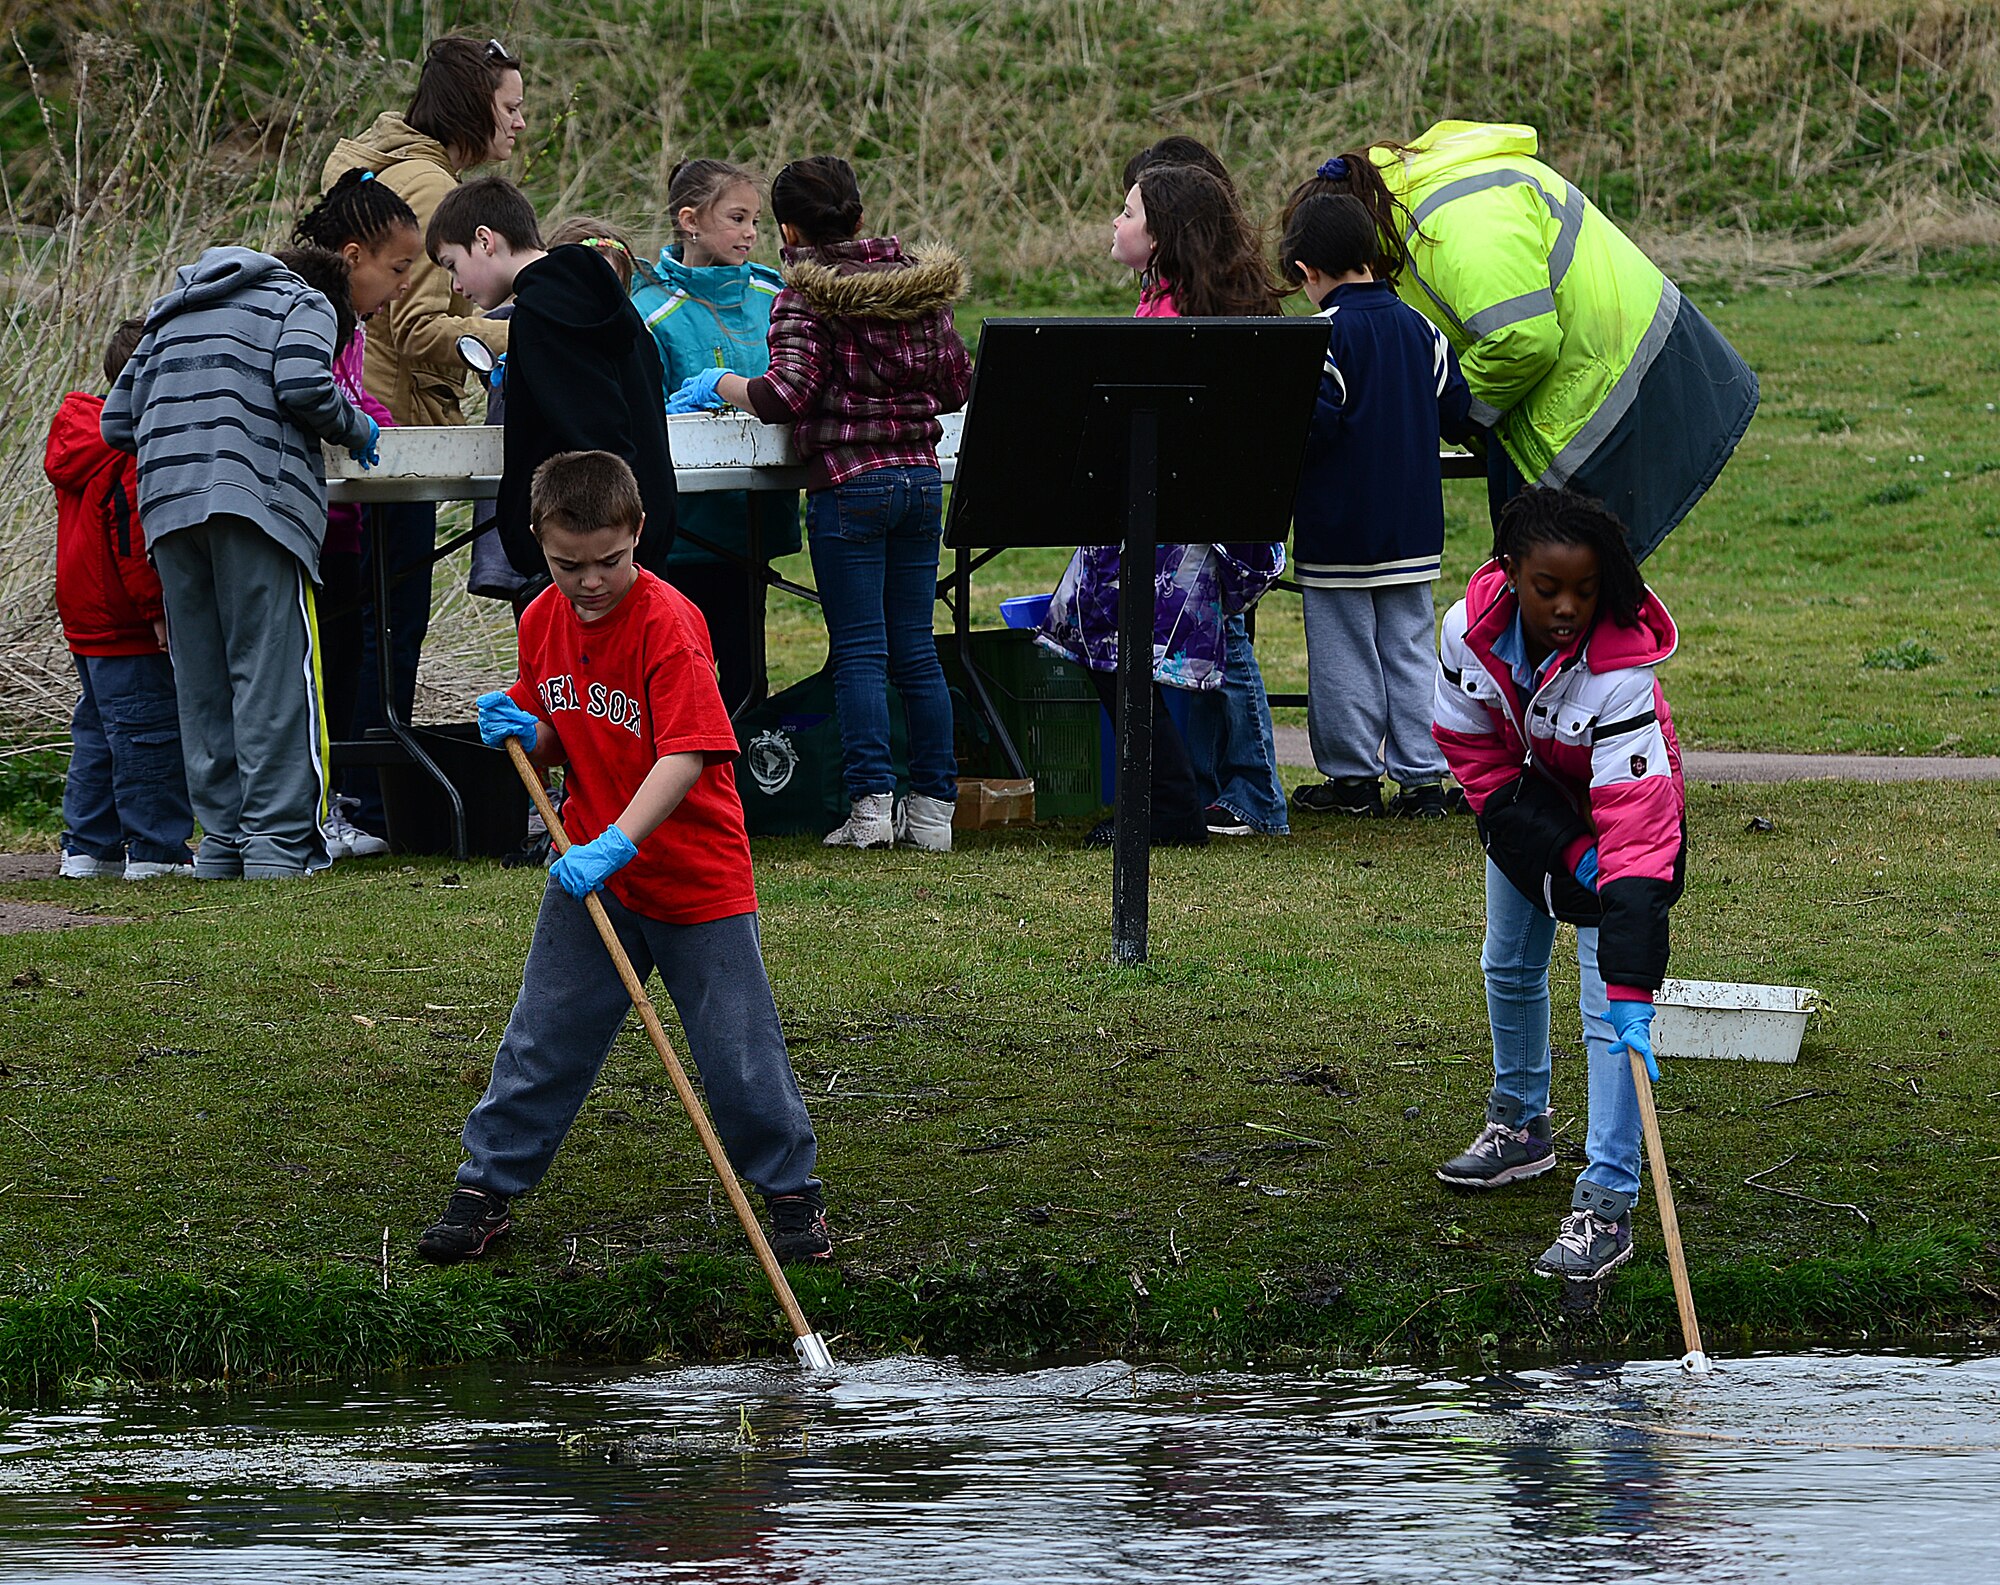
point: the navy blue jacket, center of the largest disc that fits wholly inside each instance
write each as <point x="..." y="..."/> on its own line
<point x="1370" y="508"/>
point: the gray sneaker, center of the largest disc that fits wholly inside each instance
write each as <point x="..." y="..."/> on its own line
<point x="1596" y="1237"/>
<point x="1502" y="1155"/>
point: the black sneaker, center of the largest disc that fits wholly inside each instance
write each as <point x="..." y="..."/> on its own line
<point x="1421" y="801"/>
<point x="1502" y="1155"/>
<point x="799" y="1234"/>
<point x="1224" y="822"/>
<point x="1357" y="796"/>
<point x="1166" y="834"/>
<point x="470" y="1223"/>
<point x="1588" y="1249"/>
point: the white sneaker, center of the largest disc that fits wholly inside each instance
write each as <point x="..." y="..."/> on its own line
<point x="345" y="839"/>
<point x="82" y="867"/>
<point x="152" y="870"/>
<point x="869" y="824"/>
<point x="923" y="822"/>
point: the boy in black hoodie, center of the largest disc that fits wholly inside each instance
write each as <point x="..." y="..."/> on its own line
<point x="583" y="373"/>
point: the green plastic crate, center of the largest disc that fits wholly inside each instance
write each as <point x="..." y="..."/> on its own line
<point x="1051" y="712"/>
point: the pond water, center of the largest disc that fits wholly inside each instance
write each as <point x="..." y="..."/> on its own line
<point x="1814" y="1468"/>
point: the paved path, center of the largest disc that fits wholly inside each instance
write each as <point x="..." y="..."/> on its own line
<point x="1704" y="766"/>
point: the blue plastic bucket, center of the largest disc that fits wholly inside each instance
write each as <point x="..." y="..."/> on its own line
<point x="1024" y="610"/>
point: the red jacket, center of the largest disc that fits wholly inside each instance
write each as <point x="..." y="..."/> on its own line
<point x="106" y="590"/>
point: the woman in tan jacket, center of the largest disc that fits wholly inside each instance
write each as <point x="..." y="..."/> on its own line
<point x="466" y="112"/>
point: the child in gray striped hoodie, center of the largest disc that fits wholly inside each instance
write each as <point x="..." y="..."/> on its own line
<point x="226" y="401"/>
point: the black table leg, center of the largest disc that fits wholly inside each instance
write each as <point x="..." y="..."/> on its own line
<point x="385" y="678"/>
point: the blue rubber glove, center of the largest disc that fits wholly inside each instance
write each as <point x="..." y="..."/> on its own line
<point x="497" y="375"/>
<point x="588" y="865"/>
<point x="500" y="718"/>
<point x="697" y="391"/>
<point x="1634" y="1023"/>
<point x="1586" y="868"/>
<point x="367" y="453"/>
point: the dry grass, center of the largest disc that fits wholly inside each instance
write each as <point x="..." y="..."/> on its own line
<point x="1774" y="140"/>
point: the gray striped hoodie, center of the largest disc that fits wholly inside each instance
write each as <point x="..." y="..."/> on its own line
<point x="227" y="398"/>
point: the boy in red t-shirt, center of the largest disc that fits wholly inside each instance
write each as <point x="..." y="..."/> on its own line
<point x="618" y="683"/>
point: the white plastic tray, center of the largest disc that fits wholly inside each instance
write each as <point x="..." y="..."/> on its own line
<point x="1743" y="1023"/>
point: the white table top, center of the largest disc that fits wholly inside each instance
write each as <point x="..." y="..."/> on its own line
<point x="462" y="462"/>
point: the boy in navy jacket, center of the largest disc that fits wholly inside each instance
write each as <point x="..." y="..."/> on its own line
<point x="1368" y="524"/>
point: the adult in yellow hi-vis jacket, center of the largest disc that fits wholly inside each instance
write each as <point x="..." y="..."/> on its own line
<point x="1585" y="362"/>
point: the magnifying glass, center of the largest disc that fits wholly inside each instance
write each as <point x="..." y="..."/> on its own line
<point x="476" y="355"/>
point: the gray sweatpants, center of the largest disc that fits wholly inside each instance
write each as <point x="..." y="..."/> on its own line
<point x="1371" y="665"/>
<point x="571" y="1007"/>
<point x="245" y="645"/>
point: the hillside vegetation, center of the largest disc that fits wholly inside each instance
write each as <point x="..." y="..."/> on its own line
<point x="1741" y="139"/>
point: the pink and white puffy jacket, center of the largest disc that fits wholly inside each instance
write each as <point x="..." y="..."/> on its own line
<point x="1589" y="759"/>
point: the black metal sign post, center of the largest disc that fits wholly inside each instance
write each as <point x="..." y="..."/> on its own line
<point x="1132" y="838"/>
<point x="1178" y="430"/>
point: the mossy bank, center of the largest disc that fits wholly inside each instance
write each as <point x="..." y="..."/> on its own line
<point x="209" y="1115"/>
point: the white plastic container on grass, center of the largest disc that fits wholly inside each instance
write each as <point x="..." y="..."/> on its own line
<point x="1742" y="1023"/>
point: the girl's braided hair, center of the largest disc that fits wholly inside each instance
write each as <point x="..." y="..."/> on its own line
<point x="1358" y="176"/>
<point x="1539" y="516"/>
<point x="357" y="208"/>
<point x="1204" y="251"/>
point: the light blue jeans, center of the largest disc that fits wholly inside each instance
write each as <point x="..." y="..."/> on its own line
<point x="1230" y="742"/>
<point x="1515" y="961"/>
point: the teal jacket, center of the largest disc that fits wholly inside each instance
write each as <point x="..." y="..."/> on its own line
<point x="702" y="318"/>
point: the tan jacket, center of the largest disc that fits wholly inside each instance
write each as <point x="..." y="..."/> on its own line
<point x="413" y="367"/>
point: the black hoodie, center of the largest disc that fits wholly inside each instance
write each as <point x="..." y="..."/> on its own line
<point x="583" y="374"/>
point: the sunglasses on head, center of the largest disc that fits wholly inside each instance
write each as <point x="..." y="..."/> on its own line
<point x="496" y="51"/>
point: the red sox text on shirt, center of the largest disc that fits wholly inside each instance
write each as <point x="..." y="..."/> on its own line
<point x="607" y="704"/>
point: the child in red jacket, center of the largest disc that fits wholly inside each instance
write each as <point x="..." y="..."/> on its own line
<point x="1551" y="718"/>
<point x="125" y="802"/>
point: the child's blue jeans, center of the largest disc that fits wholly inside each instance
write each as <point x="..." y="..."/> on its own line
<point x="126" y="795"/>
<point x="874" y="543"/>
<point x="1520" y="939"/>
<point x="571" y="1007"/>
<point x="1230" y="741"/>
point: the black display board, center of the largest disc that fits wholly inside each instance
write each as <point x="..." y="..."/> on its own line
<point x="1136" y="432"/>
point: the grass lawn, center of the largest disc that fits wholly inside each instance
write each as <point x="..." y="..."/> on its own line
<point x="208" y="1116"/>
<point x="1835" y="590"/>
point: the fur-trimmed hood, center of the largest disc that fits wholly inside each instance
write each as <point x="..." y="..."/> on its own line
<point x="873" y="278"/>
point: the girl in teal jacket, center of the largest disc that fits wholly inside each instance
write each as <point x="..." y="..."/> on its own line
<point x="708" y="306"/>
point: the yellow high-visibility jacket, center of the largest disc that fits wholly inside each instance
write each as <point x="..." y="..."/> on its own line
<point x="1559" y="322"/>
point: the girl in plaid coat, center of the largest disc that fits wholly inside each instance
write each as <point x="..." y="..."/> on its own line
<point x="863" y="360"/>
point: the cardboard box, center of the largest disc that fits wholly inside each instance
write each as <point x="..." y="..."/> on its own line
<point x="988" y="801"/>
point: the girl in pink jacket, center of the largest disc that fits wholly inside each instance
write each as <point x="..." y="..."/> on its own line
<point x="1551" y="718"/>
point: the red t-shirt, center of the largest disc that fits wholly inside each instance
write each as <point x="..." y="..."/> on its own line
<point x="623" y="692"/>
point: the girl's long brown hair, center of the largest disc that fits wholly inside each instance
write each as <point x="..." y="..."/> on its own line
<point x="1204" y="251"/>
<point x="1362" y="179"/>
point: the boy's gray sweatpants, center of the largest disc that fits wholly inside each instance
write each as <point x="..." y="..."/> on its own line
<point x="245" y="644"/>
<point x="1371" y="668"/>
<point x="571" y="1007"/>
